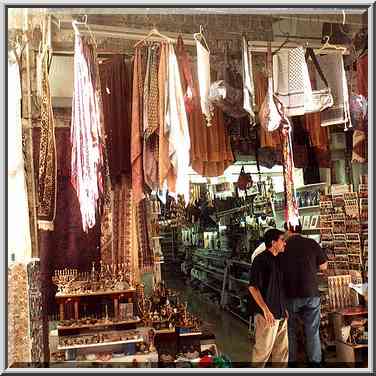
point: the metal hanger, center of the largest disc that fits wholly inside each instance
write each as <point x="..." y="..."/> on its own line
<point x="201" y="38"/>
<point x="154" y="32"/>
<point x="75" y="24"/>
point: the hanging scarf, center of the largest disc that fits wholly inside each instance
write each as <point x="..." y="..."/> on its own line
<point x="47" y="157"/>
<point x="291" y="207"/>
<point x="248" y="84"/>
<point x="87" y="136"/>
<point x="136" y="133"/>
<point x="203" y="68"/>
<point x="177" y="126"/>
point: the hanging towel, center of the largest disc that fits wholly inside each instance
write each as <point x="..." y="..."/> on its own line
<point x="248" y="84"/>
<point x="291" y="80"/>
<point x="203" y="68"/>
<point x="333" y="68"/>
<point x="47" y="189"/>
<point x="87" y="133"/>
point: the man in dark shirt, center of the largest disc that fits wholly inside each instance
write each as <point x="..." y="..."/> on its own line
<point x="269" y="305"/>
<point x="300" y="262"/>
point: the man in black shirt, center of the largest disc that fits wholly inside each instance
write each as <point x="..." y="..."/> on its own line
<point x="300" y="262"/>
<point x="269" y="306"/>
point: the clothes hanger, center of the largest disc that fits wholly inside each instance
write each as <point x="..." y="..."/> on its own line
<point x="327" y="45"/>
<point x="75" y="24"/>
<point x="154" y="32"/>
<point x="201" y="38"/>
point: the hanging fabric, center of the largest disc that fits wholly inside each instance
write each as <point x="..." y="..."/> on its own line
<point x="291" y="80"/>
<point x="19" y="239"/>
<point x="270" y="111"/>
<point x="203" y="68"/>
<point x="359" y="153"/>
<point x="291" y="206"/>
<point x="177" y="126"/>
<point x="151" y="119"/>
<point x="210" y="151"/>
<point x="116" y="84"/>
<point x="333" y="69"/>
<point x="47" y="189"/>
<point x="87" y="133"/>
<point x="136" y="132"/>
<point x="248" y="84"/>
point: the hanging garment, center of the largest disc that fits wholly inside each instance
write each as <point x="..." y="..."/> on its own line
<point x="210" y="152"/>
<point x="19" y="240"/>
<point x="203" y="68"/>
<point x="177" y="126"/>
<point x="333" y="68"/>
<point x="47" y="162"/>
<point x="116" y="87"/>
<point x="248" y="84"/>
<point x="291" y="81"/>
<point x="136" y="131"/>
<point x="87" y="134"/>
<point x="165" y="168"/>
<point x="360" y="133"/>
<point x="151" y="119"/>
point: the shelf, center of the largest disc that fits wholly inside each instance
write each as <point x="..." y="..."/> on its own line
<point x="301" y="208"/>
<point x="124" y="359"/>
<point x="190" y="334"/>
<point x="239" y="280"/>
<point x="238" y="316"/>
<point x="109" y="292"/>
<point x="86" y="326"/>
<point x="208" y="271"/>
<point x="102" y="344"/>
<point x="354" y="346"/>
<point x="209" y="257"/>
<point x="307" y="187"/>
<point x="240" y="263"/>
<point x="212" y="287"/>
<point x="353" y="311"/>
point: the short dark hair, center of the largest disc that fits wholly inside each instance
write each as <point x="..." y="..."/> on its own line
<point x="270" y="235"/>
<point x="297" y="229"/>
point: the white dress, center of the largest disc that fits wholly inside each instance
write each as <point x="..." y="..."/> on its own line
<point x="19" y="241"/>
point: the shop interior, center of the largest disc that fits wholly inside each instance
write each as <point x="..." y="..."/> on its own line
<point x="149" y="150"/>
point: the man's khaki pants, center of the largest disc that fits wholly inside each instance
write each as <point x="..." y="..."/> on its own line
<point x="271" y="343"/>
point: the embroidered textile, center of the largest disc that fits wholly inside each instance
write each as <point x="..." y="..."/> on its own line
<point x="19" y="238"/>
<point x="203" y="68"/>
<point x="87" y="134"/>
<point x="333" y="68"/>
<point x="47" y="156"/>
<point x="248" y="84"/>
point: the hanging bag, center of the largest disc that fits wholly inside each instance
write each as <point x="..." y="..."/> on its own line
<point x="321" y="99"/>
<point x="244" y="180"/>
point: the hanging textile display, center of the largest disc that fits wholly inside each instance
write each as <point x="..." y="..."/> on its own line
<point x="203" y="68"/>
<point x="116" y="88"/>
<point x="291" y="81"/>
<point x="177" y="126"/>
<point x="210" y="152"/>
<point x="47" y="156"/>
<point x="87" y="133"/>
<point x="359" y="111"/>
<point x="136" y="132"/>
<point x="19" y="238"/>
<point x="248" y="84"/>
<point x="165" y="168"/>
<point x="291" y="206"/>
<point x="151" y="119"/>
<point x="333" y="69"/>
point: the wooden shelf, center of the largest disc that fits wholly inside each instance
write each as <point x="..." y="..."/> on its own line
<point x="102" y="344"/>
<point x="239" y="280"/>
<point x="353" y="311"/>
<point x="355" y="346"/>
<point x="190" y="334"/>
<point x="96" y="325"/>
<point x="109" y="292"/>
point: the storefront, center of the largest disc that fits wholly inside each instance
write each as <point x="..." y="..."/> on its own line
<point x="149" y="152"/>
